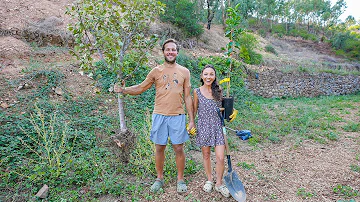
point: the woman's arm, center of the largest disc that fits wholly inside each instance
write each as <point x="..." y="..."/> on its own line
<point x="196" y="103"/>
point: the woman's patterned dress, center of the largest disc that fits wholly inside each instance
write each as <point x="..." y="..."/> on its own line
<point x="209" y="129"/>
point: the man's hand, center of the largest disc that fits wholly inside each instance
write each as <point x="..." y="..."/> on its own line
<point x="233" y="115"/>
<point x="118" y="88"/>
<point x="191" y="130"/>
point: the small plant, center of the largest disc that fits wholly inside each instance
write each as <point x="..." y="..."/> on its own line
<point x="52" y="146"/>
<point x="355" y="168"/>
<point x="233" y="31"/>
<point x="303" y="194"/>
<point x="274" y="138"/>
<point x="346" y="191"/>
<point x="332" y="136"/>
<point x="352" y="127"/>
<point x="246" y="166"/>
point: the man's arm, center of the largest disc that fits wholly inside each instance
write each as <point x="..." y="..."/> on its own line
<point x="189" y="106"/>
<point x="135" y="89"/>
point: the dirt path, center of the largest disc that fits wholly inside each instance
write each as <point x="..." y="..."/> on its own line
<point x="281" y="171"/>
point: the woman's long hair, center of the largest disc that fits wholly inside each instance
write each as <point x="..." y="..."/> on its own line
<point x="215" y="88"/>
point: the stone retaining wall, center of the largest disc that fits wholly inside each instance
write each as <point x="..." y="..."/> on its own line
<point x="275" y="83"/>
<point x="43" y="33"/>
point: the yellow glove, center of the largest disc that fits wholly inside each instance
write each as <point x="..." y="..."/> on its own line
<point x="233" y="115"/>
<point x="192" y="131"/>
<point x="224" y="80"/>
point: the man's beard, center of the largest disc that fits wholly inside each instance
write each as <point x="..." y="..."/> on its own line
<point x="170" y="62"/>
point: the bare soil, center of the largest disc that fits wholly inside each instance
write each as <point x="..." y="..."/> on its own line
<point x="280" y="170"/>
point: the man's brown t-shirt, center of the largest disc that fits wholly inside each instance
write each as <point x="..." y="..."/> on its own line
<point x="169" y="84"/>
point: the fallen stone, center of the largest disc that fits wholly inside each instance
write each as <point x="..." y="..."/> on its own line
<point x="4" y="105"/>
<point x="43" y="192"/>
<point x="58" y="91"/>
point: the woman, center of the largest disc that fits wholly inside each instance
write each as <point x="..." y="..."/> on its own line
<point x="207" y="98"/>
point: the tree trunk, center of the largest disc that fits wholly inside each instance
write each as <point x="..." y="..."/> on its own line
<point x="123" y="127"/>
<point x="223" y="12"/>
<point x="210" y="15"/>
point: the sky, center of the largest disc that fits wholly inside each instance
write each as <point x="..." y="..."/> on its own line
<point x="353" y="8"/>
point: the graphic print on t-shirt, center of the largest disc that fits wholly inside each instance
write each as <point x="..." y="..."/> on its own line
<point x="176" y="82"/>
<point x="169" y="85"/>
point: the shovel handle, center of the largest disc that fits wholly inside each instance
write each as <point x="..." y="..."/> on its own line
<point x="226" y="141"/>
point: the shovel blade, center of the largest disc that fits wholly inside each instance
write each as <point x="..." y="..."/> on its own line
<point x="235" y="186"/>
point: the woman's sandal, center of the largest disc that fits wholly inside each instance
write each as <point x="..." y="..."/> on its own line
<point x="223" y="190"/>
<point x="208" y="186"/>
<point x="157" y="185"/>
<point x="181" y="187"/>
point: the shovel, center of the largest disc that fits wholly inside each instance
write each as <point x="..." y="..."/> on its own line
<point x="232" y="181"/>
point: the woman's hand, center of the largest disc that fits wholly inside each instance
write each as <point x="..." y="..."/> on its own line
<point x="191" y="131"/>
<point x="233" y="115"/>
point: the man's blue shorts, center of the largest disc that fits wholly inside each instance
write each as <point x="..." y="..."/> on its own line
<point x="164" y="127"/>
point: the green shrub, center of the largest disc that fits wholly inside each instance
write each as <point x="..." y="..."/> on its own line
<point x="262" y="32"/>
<point x="338" y="41"/>
<point x="270" y="49"/>
<point x="250" y="56"/>
<point x="248" y="43"/>
<point x="252" y="22"/>
<point x="347" y="44"/>
<point x="303" y="34"/>
<point x="182" y="14"/>
<point x="278" y="28"/>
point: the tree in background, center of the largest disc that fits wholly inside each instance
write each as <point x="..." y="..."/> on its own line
<point x="183" y="14"/>
<point x="350" y="21"/>
<point x="212" y="7"/>
<point x="113" y="32"/>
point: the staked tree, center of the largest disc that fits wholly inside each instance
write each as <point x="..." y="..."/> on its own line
<point x="113" y="31"/>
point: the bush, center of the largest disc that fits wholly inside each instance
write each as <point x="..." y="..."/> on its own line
<point x="347" y="43"/>
<point x="182" y="14"/>
<point x="262" y="32"/>
<point x="270" y="49"/>
<point x="279" y="28"/>
<point x="250" y="57"/>
<point x="248" y="43"/>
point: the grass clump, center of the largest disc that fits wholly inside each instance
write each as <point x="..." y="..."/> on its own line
<point x="270" y="49"/>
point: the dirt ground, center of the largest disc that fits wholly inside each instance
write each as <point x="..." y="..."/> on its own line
<point x="280" y="170"/>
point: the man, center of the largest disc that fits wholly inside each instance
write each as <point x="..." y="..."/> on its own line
<point x="172" y="84"/>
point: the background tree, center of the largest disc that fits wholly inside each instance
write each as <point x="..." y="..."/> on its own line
<point x="212" y="7"/>
<point x="350" y="20"/>
<point x="115" y="31"/>
<point x="183" y="14"/>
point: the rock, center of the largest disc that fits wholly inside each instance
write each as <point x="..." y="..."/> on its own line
<point x="4" y="105"/>
<point x="58" y="91"/>
<point x="42" y="193"/>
